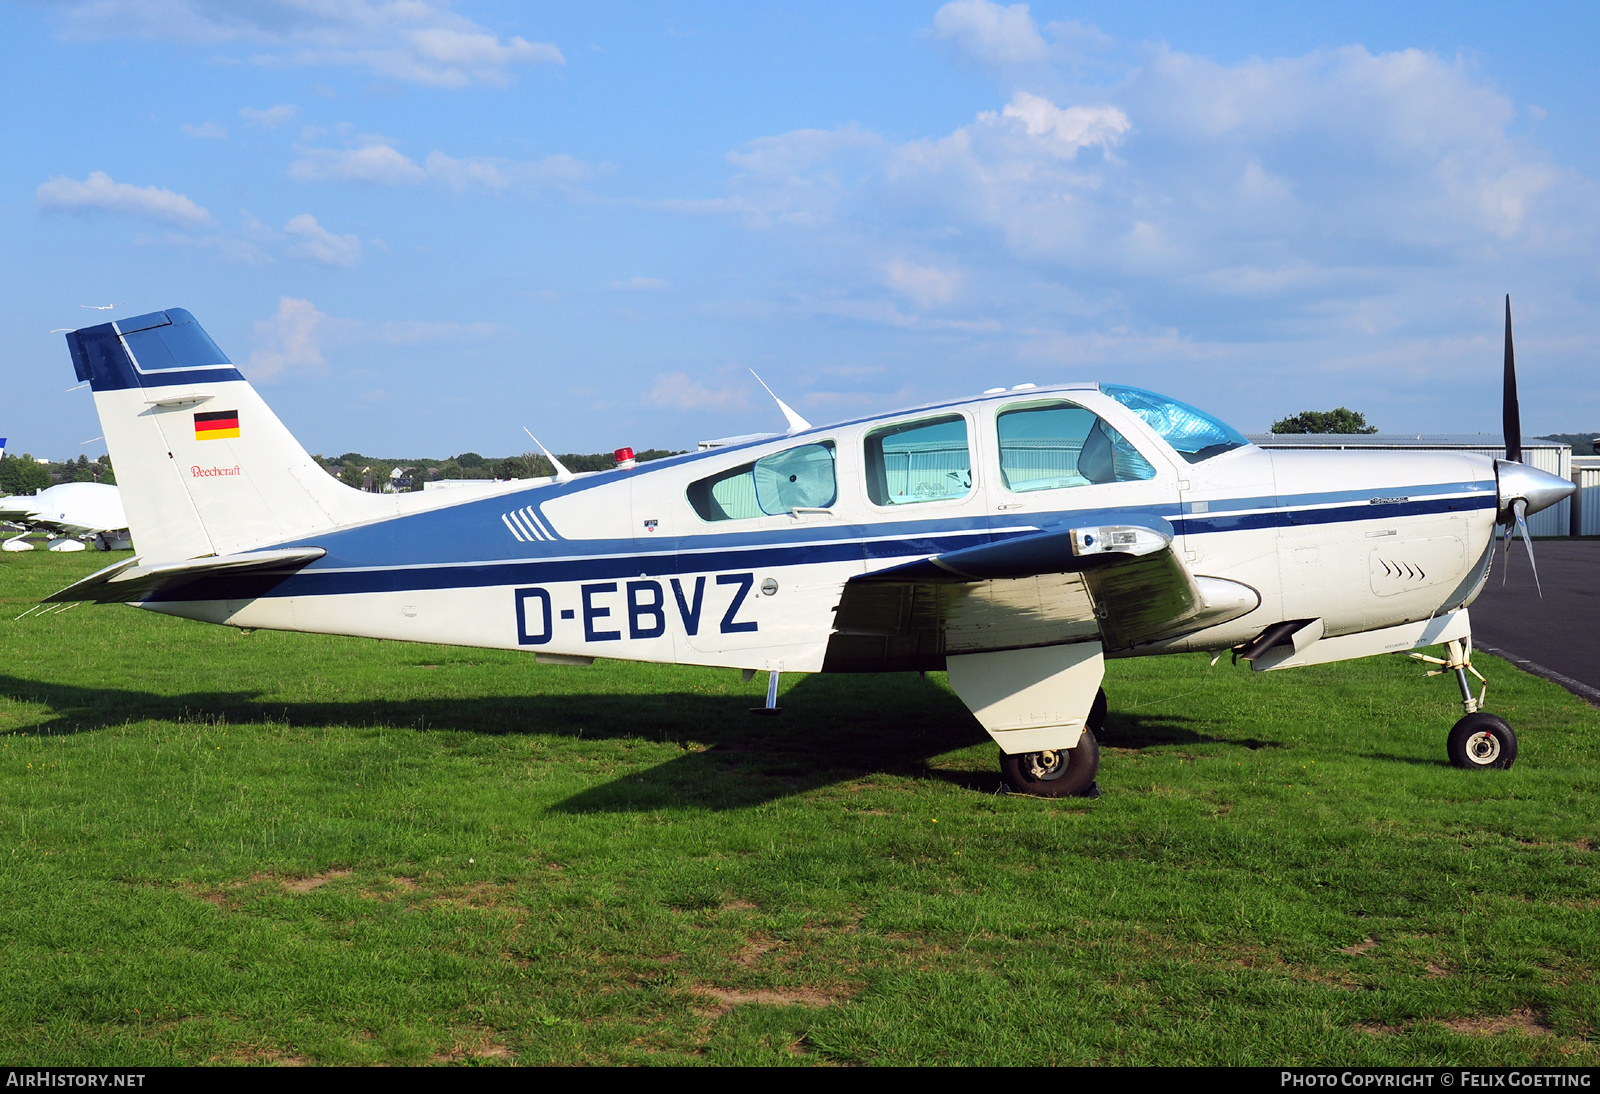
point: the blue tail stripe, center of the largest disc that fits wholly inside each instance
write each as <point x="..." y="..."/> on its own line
<point x="171" y="348"/>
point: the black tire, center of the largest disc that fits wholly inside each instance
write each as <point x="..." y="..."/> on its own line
<point x="1063" y="773"/>
<point x="1482" y="741"/>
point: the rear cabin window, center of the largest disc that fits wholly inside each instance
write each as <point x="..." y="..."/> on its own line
<point x="919" y="461"/>
<point x="797" y="478"/>
<point x="1050" y="446"/>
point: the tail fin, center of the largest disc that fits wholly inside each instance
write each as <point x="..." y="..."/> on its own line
<point x="204" y="467"/>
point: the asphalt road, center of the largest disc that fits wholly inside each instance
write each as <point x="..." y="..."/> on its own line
<point x="1558" y="636"/>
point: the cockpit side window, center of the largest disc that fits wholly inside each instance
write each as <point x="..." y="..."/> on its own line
<point x="919" y="461"/>
<point x="796" y="478"/>
<point x="1193" y="434"/>
<point x="1051" y="446"/>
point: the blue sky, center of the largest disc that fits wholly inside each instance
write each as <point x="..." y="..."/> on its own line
<point x="420" y="226"/>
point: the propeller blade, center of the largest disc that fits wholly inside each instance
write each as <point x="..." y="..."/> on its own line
<point x="1511" y="413"/>
<point x="1520" y="507"/>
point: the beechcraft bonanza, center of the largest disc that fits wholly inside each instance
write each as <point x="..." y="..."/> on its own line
<point x="1015" y="540"/>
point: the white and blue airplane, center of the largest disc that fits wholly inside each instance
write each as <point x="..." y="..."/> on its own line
<point x="1014" y="540"/>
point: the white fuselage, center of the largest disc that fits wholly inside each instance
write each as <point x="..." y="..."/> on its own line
<point x="622" y="564"/>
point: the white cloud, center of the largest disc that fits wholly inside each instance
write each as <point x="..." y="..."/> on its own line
<point x="1283" y="176"/>
<point x="289" y="341"/>
<point x="676" y="391"/>
<point x="100" y="192"/>
<point x="412" y="41"/>
<point x="467" y="174"/>
<point x="991" y="34"/>
<point x="1064" y="132"/>
<point x="208" y="131"/>
<point x="1329" y="161"/>
<point x="235" y="249"/>
<point x="272" y="117"/>
<point x="793" y="178"/>
<point x="926" y="286"/>
<point x="375" y="162"/>
<point x="317" y="244"/>
<point x="380" y="163"/>
<point x="1270" y="219"/>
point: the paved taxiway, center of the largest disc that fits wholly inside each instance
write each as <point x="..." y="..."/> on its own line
<point x="1557" y="637"/>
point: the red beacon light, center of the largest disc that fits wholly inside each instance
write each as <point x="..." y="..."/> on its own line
<point x="624" y="458"/>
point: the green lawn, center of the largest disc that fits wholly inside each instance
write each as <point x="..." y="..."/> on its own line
<point x="282" y="848"/>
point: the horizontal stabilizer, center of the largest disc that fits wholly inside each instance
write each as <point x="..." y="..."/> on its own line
<point x="126" y="582"/>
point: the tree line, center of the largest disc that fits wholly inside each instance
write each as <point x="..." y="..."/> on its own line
<point x="371" y="472"/>
<point x="1344" y="420"/>
<point x="25" y="475"/>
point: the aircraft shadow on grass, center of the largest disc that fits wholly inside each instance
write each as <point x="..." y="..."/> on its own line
<point x="835" y="729"/>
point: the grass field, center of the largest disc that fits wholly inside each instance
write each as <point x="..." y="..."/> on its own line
<point x="283" y="848"/>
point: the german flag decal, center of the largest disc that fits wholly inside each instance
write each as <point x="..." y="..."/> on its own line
<point x="216" y="425"/>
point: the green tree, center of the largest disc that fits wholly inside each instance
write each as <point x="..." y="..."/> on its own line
<point x="380" y="474"/>
<point x="23" y="475"/>
<point x="1339" y="420"/>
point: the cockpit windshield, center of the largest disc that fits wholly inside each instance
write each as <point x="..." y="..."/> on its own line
<point x="1194" y="434"/>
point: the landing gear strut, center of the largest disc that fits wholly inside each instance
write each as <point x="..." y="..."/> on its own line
<point x="1479" y="740"/>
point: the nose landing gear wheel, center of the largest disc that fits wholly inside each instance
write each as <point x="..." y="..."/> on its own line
<point x="1054" y="773"/>
<point x="1481" y="741"/>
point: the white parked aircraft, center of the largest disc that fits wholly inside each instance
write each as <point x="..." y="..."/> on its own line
<point x="74" y="513"/>
<point x="1015" y="539"/>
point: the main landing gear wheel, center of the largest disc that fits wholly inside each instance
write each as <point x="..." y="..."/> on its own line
<point x="1054" y="773"/>
<point x="1481" y="741"/>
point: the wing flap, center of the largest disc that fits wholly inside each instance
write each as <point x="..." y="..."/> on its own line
<point x="1122" y="583"/>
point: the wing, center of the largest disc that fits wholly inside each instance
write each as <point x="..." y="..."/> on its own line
<point x="1122" y="584"/>
<point x="15" y="510"/>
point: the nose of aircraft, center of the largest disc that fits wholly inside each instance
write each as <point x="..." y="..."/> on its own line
<point x="1540" y="489"/>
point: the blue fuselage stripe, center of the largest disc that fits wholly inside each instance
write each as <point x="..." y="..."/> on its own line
<point x="342" y="575"/>
<point x="1288" y="518"/>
